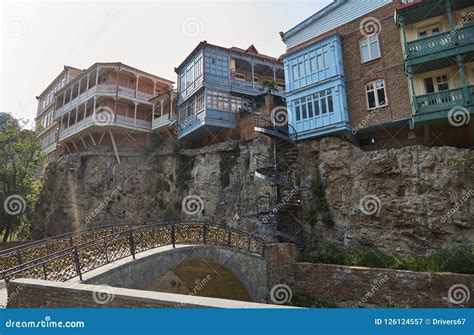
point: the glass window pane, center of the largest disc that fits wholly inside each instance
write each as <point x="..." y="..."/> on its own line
<point x="316" y="104"/>
<point x="381" y="97"/>
<point x="310" y="107"/>
<point x="429" y="85"/>
<point x="297" y="112"/>
<point x="330" y="104"/>
<point x="303" y="109"/>
<point x="371" y="98"/>
<point x="323" y="106"/>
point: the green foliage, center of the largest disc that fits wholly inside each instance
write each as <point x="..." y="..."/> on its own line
<point x="463" y="162"/>
<point x="228" y="160"/>
<point x="459" y="260"/>
<point x="320" y="206"/>
<point x="20" y="159"/>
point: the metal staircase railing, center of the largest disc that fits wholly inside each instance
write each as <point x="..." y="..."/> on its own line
<point x="78" y="258"/>
<point x="279" y="168"/>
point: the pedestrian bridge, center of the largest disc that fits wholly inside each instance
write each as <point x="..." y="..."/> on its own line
<point x="189" y="257"/>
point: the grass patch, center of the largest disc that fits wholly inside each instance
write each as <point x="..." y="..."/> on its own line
<point x="459" y="260"/>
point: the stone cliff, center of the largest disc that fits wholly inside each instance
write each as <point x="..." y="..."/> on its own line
<point x="408" y="200"/>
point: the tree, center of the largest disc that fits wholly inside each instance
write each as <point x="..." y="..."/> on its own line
<point x="20" y="158"/>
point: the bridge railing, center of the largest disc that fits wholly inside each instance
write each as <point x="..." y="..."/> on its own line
<point x="77" y="259"/>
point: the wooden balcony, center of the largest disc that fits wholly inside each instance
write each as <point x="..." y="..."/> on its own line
<point x="163" y="121"/>
<point x="91" y="120"/>
<point x="440" y="47"/>
<point x="103" y="89"/>
<point x="437" y="105"/>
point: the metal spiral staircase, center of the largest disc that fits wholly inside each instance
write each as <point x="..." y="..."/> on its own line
<point x="280" y="211"/>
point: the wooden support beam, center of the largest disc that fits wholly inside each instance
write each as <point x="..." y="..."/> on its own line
<point x="83" y="142"/>
<point x="75" y="146"/>
<point x="114" y="145"/>
<point x="101" y="138"/>
<point x="92" y="139"/>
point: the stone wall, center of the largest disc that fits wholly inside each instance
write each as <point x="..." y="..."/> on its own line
<point x="407" y="201"/>
<point x="418" y="196"/>
<point x="347" y="286"/>
<point x="35" y="293"/>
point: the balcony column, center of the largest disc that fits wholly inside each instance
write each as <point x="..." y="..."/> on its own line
<point x="274" y="73"/>
<point x="68" y="119"/>
<point x="79" y="87"/>
<point x="64" y="98"/>
<point x="161" y="108"/>
<point x="70" y="96"/>
<point x="401" y="21"/>
<point x="136" y="85"/>
<point x="77" y="112"/>
<point x="412" y="89"/>
<point x="97" y="76"/>
<point x="93" y="111"/>
<point x="135" y="114"/>
<point x="154" y="88"/>
<point x="465" y="90"/>
<point x="253" y="75"/>
<point x="87" y="84"/>
<point x="449" y="9"/>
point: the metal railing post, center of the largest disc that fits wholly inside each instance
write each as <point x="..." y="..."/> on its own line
<point x="78" y="263"/>
<point x="173" y="236"/>
<point x="105" y="251"/>
<point x="204" y="238"/>
<point x="19" y="259"/>
<point x="229" y="235"/>
<point x="132" y="245"/>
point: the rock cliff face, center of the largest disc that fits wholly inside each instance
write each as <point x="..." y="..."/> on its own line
<point x="406" y="200"/>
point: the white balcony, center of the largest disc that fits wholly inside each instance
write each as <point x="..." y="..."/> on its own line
<point x="163" y="121"/>
<point x="120" y="120"/>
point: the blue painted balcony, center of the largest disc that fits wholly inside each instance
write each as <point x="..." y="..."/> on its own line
<point x="316" y="94"/>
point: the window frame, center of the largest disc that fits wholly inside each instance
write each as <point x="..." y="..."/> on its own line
<point x="369" y="49"/>
<point x="376" y="96"/>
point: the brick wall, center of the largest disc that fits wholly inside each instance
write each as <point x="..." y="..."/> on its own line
<point x="348" y="286"/>
<point x="34" y="293"/>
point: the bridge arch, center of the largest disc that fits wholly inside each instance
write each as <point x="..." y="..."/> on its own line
<point x="212" y="265"/>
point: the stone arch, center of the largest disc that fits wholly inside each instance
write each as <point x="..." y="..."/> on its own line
<point x="140" y="274"/>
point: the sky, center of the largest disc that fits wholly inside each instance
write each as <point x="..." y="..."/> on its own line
<point x="39" y="38"/>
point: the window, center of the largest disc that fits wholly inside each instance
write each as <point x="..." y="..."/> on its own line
<point x="369" y="48"/>
<point x="429" y="31"/>
<point x="314" y="105"/>
<point x="376" y="96"/>
<point x="240" y="76"/>
<point x="199" y="103"/>
<point x="256" y="79"/>
<point x="436" y="84"/>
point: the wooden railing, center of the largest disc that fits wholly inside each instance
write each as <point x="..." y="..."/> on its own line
<point x="442" y="100"/>
<point x="440" y="42"/>
<point x="74" y="255"/>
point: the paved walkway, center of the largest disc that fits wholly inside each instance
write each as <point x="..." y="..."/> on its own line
<point x="3" y="294"/>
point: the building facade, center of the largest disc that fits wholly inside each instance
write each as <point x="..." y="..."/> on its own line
<point x="217" y="86"/>
<point x="47" y="129"/>
<point x="108" y="105"/>
<point x="356" y="49"/>
<point x="438" y="44"/>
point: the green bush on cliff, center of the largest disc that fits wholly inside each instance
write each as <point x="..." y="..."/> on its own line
<point x="458" y="260"/>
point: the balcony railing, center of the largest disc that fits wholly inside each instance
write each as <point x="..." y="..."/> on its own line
<point x="163" y="120"/>
<point x="103" y="89"/>
<point x="444" y="100"/>
<point x="90" y="120"/>
<point x="440" y="42"/>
